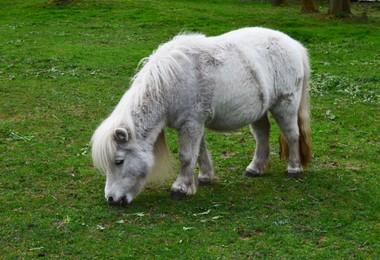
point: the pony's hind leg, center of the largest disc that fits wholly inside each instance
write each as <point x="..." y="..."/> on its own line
<point x="206" y="173"/>
<point x="288" y="123"/>
<point x="260" y="130"/>
<point x="190" y="136"/>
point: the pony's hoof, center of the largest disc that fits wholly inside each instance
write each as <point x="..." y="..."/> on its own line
<point x="204" y="182"/>
<point x="175" y="194"/>
<point x="252" y="174"/>
<point x="293" y="174"/>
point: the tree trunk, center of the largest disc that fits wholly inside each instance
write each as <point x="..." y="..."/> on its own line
<point x="308" y="6"/>
<point x="346" y="7"/>
<point x="339" y="7"/>
<point x="281" y="2"/>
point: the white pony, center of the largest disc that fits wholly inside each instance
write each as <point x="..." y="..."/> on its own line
<point x="192" y="82"/>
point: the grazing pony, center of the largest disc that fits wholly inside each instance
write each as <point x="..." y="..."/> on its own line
<point x="191" y="82"/>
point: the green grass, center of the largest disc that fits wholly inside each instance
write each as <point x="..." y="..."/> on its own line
<point x="62" y="70"/>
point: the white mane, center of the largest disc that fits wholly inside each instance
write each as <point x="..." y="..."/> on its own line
<point x="157" y="71"/>
<point x="164" y="65"/>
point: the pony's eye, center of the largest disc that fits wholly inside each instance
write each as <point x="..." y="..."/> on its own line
<point x="119" y="162"/>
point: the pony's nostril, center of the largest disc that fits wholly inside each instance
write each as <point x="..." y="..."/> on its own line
<point x="110" y="199"/>
<point x="124" y="201"/>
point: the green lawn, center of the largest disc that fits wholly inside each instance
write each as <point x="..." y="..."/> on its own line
<point x="64" y="67"/>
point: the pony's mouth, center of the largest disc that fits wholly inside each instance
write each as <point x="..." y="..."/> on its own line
<point x="123" y="201"/>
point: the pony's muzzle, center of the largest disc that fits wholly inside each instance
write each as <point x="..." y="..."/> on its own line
<point x="121" y="202"/>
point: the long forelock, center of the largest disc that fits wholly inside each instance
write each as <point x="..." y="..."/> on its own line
<point x="102" y="141"/>
<point x="103" y="147"/>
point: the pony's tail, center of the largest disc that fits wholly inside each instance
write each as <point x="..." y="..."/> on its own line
<point x="303" y="123"/>
<point x="162" y="169"/>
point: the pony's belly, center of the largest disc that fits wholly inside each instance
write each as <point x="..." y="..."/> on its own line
<point x="225" y="125"/>
<point x="232" y="119"/>
<point x="234" y="107"/>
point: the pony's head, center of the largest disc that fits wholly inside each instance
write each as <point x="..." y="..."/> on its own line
<point x="133" y="162"/>
<point x="125" y="161"/>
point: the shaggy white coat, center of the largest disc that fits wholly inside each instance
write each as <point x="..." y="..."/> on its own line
<point x="192" y="82"/>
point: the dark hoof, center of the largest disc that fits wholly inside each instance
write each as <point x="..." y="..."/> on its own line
<point x="293" y="174"/>
<point x="204" y="182"/>
<point x="252" y="174"/>
<point x="177" y="195"/>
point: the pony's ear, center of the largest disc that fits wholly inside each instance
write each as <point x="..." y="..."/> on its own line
<point x="121" y="135"/>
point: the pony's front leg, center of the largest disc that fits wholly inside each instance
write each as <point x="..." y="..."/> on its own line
<point x="190" y="136"/>
<point x="206" y="173"/>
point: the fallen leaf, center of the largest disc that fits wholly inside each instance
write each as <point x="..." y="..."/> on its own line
<point x="202" y="213"/>
<point x="99" y="227"/>
<point x="188" y="228"/>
